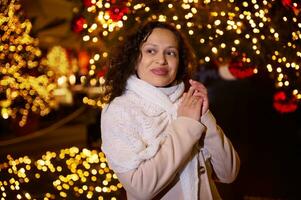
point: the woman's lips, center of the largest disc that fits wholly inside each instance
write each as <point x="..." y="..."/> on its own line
<point x="160" y="71"/>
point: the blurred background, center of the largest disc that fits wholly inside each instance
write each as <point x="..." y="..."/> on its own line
<point x="53" y="58"/>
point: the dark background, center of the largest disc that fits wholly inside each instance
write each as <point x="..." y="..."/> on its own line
<point x="268" y="142"/>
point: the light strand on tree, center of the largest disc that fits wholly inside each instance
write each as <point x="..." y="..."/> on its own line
<point x="24" y="87"/>
<point x="247" y="32"/>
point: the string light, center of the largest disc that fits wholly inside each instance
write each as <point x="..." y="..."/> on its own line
<point x="218" y="29"/>
<point x="70" y="172"/>
<point x="24" y="87"/>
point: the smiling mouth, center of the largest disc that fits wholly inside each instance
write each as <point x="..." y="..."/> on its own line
<point x="160" y="71"/>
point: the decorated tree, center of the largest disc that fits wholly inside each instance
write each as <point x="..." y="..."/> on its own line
<point x="283" y="53"/>
<point x="233" y="39"/>
<point x="25" y="84"/>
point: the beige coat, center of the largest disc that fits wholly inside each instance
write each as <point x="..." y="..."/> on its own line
<point x="131" y="124"/>
<point x="161" y="171"/>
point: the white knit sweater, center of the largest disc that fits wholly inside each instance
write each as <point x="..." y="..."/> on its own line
<point x="134" y="127"/>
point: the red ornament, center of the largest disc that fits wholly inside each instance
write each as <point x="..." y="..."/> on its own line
<point x="238" y="68"/>
<point x="83" y="62"/>
<point x="287" y="3"/>
<point x="102" y="72"/>
<point x="78" y="24"/>
<point x="283" y="103"/>
<point x="87" y="3"/>
<point x="294" y="5"/>
<point x="116" y="12"/>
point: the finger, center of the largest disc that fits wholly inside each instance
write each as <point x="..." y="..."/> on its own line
<point x="190" y="91"/>
<point x="198" y="86"/>
<point x="184" y="95"/>
<point x="205" y="101"/>
<point x="192" y="99"/>
<point x="195" y="100"/>
<point x="196" y="83"/>
<point x="205" y="105"/>
<point x="199" y="106"/>
<point x="200" y="94"/>
<point x="184" y="98"/>
<point x="201" y="89"/>
<point x="189" y="96"/>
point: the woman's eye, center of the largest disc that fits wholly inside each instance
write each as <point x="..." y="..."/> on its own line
<point x="151" y="51"/>
<point x="171" y="53"/>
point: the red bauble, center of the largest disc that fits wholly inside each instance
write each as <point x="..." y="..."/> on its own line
<point x="292" y="4"/>
<point x="117" y="12"/>
<point x="102" y="72"/>
<point x="87" y="3"/>
<point x="283" y="103"/>
<point x="78" y="24"/>
<point x="287" y="3"/>
<point x="83" y="62"/>
<point x="239" y="69"/>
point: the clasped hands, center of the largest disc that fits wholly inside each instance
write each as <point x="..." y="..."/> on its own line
<point x="194" y="103"/>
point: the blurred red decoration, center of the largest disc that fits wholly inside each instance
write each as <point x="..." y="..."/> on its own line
<point x="87" y="3"/>
<point x="283" y="103"/>
<point x="116" y="12"/>
<point x="295" y="5"/>
<point x="239" y="69"/>
<point x="78" y="24"/>
<point x="102" y="72"/>
<point x="287" y="3"/>
<point x="83" y="62"/>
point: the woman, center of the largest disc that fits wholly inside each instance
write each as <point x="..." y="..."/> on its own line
<point x="162" y="142"/>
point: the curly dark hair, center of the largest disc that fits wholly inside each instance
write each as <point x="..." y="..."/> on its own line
<point x="128" y="53"/>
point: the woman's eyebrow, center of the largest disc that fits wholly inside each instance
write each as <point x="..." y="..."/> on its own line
<point x="150" y="44"/>
<point x="155" y="45"/>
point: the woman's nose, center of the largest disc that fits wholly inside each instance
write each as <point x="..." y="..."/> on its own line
<point x="161" y="59"/>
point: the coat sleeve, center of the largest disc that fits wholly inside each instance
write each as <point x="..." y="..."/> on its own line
<point x="154" y="174"/>
<point x="223" y="157"/>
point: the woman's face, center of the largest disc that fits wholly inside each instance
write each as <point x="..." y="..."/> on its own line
<point x="159" y="60"/>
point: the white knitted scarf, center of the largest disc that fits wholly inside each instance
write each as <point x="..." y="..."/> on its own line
<point x="167" y="99"/>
